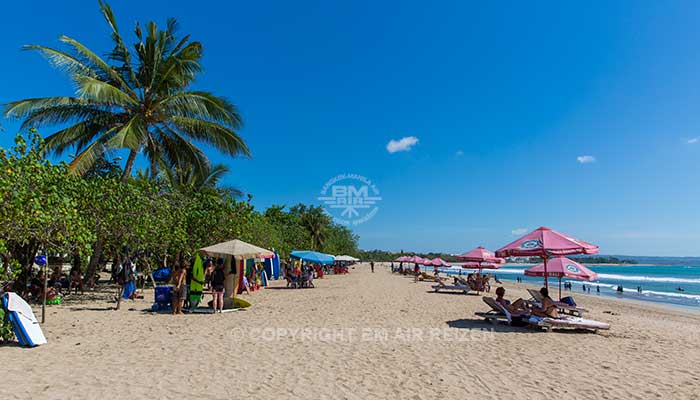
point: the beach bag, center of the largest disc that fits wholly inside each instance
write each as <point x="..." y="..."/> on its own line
<point x="161" y="274"/>
<point x="569" y="300"/>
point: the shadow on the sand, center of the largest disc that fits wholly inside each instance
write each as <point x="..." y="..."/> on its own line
<point x="480" y="324"/>
<point x="454" y="292"/>
<point x="286" y="288"/>
<point x="109" y="308"/>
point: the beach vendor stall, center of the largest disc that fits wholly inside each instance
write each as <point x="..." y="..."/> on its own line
<point x="234" y="253"/>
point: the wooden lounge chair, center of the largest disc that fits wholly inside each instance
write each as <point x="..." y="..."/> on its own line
<point x="498" y="313"/>
<point x="561" y="306"/>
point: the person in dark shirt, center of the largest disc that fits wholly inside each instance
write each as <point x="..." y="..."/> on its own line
<point x="217" y="287"/>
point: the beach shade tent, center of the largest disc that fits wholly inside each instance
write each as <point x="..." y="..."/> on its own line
<point x="346" y="258"/>
<point x="544" y="243"/>
<point x="562" y="267"/>
<point x="402" y="259"/>
<point x="313" y="256"/>
<point x="234" y="253"/>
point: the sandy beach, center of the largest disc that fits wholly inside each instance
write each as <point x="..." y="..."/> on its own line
<point x="356" y="336"/>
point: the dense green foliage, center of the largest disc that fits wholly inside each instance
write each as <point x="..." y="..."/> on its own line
<point x="47" y="208"/>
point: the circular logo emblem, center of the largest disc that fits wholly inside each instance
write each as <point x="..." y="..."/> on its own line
<point x="531" y="244"/>
<point x="350" y="199"/>
<point x="572" y="268"/>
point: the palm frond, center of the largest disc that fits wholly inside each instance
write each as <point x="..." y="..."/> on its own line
<point x="221" y="137"/>
<point x="97" y="62"/>
<point x="103" y="92"/>
<point x="201" y="105"/>
<point x="23" y="108"/>
<point x="62" y="61"/>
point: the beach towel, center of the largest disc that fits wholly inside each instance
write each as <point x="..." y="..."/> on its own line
<point x="129" y="289"/>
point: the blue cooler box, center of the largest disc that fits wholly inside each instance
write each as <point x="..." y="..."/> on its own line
<point x="164" y="294"/>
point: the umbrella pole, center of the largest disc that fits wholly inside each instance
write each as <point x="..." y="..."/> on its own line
<point x="546" y="283"/>
<point x="560" y="288"/>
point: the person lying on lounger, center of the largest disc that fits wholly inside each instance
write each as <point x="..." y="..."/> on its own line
<point x="458" y="280"/>
<point x="547" y="309"/>
<point x="516" y="307"/>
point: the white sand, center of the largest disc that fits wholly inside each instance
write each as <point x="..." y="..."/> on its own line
<point x="427" y="350"/>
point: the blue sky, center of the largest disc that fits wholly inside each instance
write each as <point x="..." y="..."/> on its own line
<point x="502" y="97"/>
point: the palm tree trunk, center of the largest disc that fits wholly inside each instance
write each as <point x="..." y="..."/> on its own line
<point x="93" y="263"/>
<point x="129" y="165"/>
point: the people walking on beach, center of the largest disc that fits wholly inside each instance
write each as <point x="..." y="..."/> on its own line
<point x="597" y="288"/>
<point x="179" y="290"/>
<point x="371" y="265"/>
<point x="217" y="287"/>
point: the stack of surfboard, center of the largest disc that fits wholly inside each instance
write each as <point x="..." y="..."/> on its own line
<point x="24" y="323"/>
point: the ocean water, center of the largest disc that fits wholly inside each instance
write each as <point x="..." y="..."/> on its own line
<point x="657" y="283"/>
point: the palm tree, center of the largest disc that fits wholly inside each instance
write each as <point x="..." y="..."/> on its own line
<point x="206" y="179"/>
<point x="315" y="220"/>
<point x="141" y="106"/>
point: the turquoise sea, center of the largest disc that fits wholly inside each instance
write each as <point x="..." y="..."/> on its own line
<point x="678" y="285"/>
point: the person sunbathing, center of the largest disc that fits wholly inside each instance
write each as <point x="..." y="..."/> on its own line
<point x="516" y="307"/>
<point x="458" y="280"/>
<point x="547" y="309"/>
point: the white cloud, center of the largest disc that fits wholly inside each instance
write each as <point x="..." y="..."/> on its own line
<point x="694" y="140"/>
<point x="403" y="144"/>
<point x="459" y="153"/>
<point x="585" y="159"/>
<point x="518" y="231"/>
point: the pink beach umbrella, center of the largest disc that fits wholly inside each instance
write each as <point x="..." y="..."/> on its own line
<point x="480" y="266"/>
<point x="544" y="242"/>
<point x="401" y="259"/>
<point x="439" y="262"/>
<point x="415" y="260"/>
<point x="479" y="255"/>
<point x="562" y="267"/>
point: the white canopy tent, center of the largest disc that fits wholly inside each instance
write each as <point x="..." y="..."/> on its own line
<point x="346" y="258"/>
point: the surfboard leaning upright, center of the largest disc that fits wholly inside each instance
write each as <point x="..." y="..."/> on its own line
<point x="24" y="323"/>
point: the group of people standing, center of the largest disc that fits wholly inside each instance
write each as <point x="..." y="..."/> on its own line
<point x="182" y="278"/>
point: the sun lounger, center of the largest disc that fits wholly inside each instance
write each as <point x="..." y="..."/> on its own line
<point x="498" y="313"/>
<point x="443" y="288"/>
<point x="563" y="307"/>
<point x="567" y="322"/>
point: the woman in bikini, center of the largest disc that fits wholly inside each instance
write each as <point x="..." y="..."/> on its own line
<point x="547" y="309"/>
<point x="516" y="307"/>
